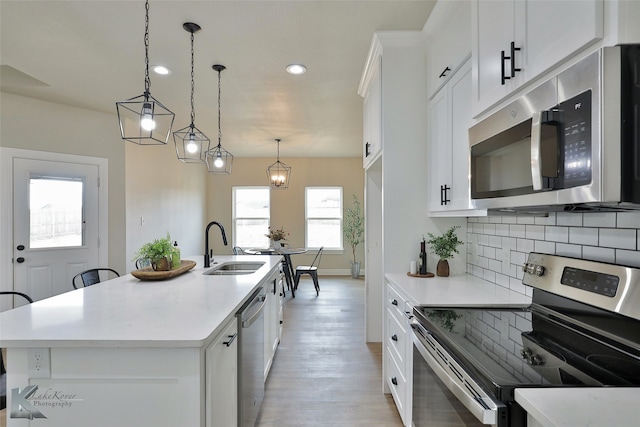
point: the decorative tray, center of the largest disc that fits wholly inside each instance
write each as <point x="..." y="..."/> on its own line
<point x="148" y="273"/>
<point x="420" y="275"/>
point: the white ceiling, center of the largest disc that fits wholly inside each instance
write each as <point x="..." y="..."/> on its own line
<point x="90" y="54"/>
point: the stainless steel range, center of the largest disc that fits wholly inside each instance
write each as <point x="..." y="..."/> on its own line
<point x="582" y="329"/>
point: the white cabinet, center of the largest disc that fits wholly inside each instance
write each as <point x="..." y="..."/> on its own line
<point x="221" y="367"/>
<point x="448" y="33"/>
<point x="372" y="110"/>
<point x="272" y="313"/>
<point x="398" y="351"/>
<point x="449" y="122"/>
<point x="517" y="40"/>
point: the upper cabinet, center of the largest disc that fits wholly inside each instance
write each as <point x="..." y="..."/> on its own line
<point x="449" y="42"/>
<point x="371" y="91"/>
<point x="516" y="41"/>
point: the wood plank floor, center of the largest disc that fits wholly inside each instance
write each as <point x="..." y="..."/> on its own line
<point x="324" y="374"/>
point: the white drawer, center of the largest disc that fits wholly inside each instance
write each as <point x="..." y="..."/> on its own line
<point x="397" y="384"/>
<point x="397" y="338"/>
<point x="395" y="302"/>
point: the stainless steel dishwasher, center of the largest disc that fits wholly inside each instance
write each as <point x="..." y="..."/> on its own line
<point x="251" y="358"/>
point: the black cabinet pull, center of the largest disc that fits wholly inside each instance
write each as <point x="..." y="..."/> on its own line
<point x="394" y="380"/>
<point x="394" y="302"/>
<point x="503" y="58"/>
<point x="443" y="194"/>
<point x="514" y="49"/>
<point x="444" y="72"/>
<point x="367" y="149"/>
<point x="231" y="338"/>
<point x="394" y="337"/>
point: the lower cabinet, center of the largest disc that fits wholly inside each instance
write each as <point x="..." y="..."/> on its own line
<point x="221" y="367"/>
<point x="398" y="352"/>
<point x="273" y="312"/>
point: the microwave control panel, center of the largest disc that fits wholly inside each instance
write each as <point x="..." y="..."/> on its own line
<point x="576" y="140"/>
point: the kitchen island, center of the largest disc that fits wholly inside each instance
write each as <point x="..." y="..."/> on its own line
<point x="126" y="352"/>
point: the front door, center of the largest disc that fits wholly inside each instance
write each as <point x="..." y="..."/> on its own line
<point x="56" y="228"/>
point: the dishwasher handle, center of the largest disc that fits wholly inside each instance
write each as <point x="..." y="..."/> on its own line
<point x="259" y="299"/>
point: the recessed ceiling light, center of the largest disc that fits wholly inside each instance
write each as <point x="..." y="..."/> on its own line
<point x="162" y="70"/>
<point x="296" y="69"/>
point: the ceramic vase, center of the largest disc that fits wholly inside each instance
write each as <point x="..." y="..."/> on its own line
<point x="442" y="269"/>
<point x="162" y="264"/>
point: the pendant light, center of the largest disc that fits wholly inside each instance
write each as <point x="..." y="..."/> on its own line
<point x="279" y="173"/>
<point x="191" y="143"/>
<point x="219" y="160"/>
<point x="143" y="119"/>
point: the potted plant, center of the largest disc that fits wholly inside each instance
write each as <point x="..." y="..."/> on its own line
<point x="159" y="252"/>
<point x="275" y="236"/>
<point x="353" y="232"/>
<point x="445" y="246"/>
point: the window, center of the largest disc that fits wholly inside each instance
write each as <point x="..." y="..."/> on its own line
<point x="55" y="206"/>
<point x="323" y="211"/>
<point x="251" y="215"/>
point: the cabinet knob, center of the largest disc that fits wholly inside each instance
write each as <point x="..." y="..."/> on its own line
<point x="394" y="380"/>
<point x="367" y="149"/>
<point x="394" y="337"/>
<point x="394" y="302"/>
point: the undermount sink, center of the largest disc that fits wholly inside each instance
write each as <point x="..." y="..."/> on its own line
<point x="234" y="267"/>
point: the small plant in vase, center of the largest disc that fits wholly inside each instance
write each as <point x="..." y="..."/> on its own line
<point x="353" y="232"/>
<point x="276" y="235"/>
<point x="159" y="253"/>
<point x="444" y="247"/>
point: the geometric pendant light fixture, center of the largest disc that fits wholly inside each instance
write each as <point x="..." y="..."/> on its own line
<point x="219" y="160"/>
<point x="143" y="119"/>
<point x="279" y="173"/>
<point x="191" y="143"/>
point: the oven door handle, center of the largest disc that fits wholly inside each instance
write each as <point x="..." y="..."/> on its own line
<point x="482" y="407"/>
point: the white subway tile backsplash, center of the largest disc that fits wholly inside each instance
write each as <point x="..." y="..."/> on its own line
<point x="628" y="219"/>
<point x="570" y="219"/>
<point x="583" y="236"/>
<point x="516" y="230"/>
<point x="595" y="253"/>
<point x="557" y="234"/>
<point x="619" y="238"/>
<point x="629" y="258"/>
<point x="601" y="236"/>
<point x="535" y="232"/>
<point x="544" y="247"/>
<point x="599" y="219"/>
<point x="569" y="250"/>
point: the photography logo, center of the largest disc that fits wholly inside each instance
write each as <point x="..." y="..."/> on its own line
<point x="26" y="403"/>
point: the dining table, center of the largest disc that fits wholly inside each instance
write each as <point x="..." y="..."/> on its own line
<point x="286" y="253"/>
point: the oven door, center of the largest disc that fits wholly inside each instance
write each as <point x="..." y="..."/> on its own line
<point x="443" y="393"/>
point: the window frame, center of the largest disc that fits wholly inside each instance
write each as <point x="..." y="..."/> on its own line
<point x="307" y="218"/>
<point x="234" y="218"/>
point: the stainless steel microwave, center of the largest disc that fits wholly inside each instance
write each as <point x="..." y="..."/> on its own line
<point x="571" y="143"/>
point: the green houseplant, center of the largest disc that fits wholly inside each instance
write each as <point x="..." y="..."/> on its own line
<point x="354" y="232"/>
<point x="444" y="246"/>
<point x="159" y="252"/>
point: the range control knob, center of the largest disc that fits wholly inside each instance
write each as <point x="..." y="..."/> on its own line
<point x="539" y="271"/>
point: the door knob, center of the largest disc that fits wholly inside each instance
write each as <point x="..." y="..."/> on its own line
<point x="20" y="260"/>
<point x="20" y="247"/>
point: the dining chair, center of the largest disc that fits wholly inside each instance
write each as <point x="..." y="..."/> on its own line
<point x="25" y="296"/>
<point x="3" y="352"/>
<point x="311" y="270"/>
<point x="92" y="276"/>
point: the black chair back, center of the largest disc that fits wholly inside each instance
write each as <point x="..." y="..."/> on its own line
<point x="316" y="260"/>
<point x="25" y="296"/>
<point x="91" y="277"/>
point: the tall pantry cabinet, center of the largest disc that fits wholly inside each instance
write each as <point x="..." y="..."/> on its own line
<point x="393" y="87"/>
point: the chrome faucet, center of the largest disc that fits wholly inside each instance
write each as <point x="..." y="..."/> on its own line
<point x="208" y="256"/>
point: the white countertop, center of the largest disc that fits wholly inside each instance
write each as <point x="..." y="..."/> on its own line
<point x="584" y="407"/>
<point x="462" y="290"/>
<point x="183" y="311"/>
